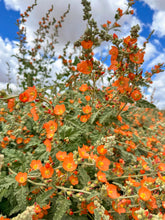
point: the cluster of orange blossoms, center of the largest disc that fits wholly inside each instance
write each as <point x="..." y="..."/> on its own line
<point x="116" y="158"/>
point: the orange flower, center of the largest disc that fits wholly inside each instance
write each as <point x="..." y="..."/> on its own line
<point x="112" y="191"/>
<point x="163" y="204"/>
<point x="59" y="109"/>
<point x="82" y="152"/>
<point x="101" y="150"/>
<point x="137" y="58"/>
<point x="47" y="143"/>
<point x="144" y="193"/>
<point x="122" y="83"/>
<point x="93" y="156"/>
<point x="104" y="25"/>
<point x="24" y="97"/>
<point x="79" y="100"/>
<point x="114" y="65"/>
<point x="83" y="207"/>
<point x="32" y="93"/>
<point x="83" y="87"/>
<point x="87" y="148"/>
<point x="37" y="209"/>
<point x="10" y="104"/>
<point x="71" y="101"/>
<point x="88" y="98"/>
<point x="114" y="53"/>
<point x="118" y="170"/>
<point x="36" y="164"/>
<point x="136" y="95"/>
<point x="69" y="164"/>
<point x="85" y="67"/>
<point x="136" y="184"/>
<point x="121" y="205"/>
<point x="84" y="118"/>
<point x="91" y="207"/>
<point x="120" y="11"/>
<point x="134" y="215"/>
<point x="151" y="204"/>
<point x="161" y="166"/>
<point x="102" y="163"/>
<point x="161" y="177"/>
<point x="145" y="166"/>
<point x="26" y="141"/>
<point x="34" y="113"/>
<point x="101" y="176"/>
<point x="87" y="109"/>
<point x="47" y="171"/>
<point x="21" y="178"/>
<point x="129" y="41"/>
<point x="50" y="126"/>
<point x="3" y="218"/>
<point x="86" y="44"/>
<point x="73" y="179"/>
<point x="61" y="155"/>
<point x="19" y="140"/>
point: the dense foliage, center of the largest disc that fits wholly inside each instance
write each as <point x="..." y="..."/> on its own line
<point x="71" y="149"/>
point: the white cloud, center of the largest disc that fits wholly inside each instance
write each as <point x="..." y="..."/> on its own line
<point x="15" y="89"/>
<point x="6" y="51"/>
<point x="159" y="86"/>
<point x="157" y="42"/>
<point x="158" y="59"/>
<point x="150" y="51"/>
<point x="73" y="26"/>
<point x="158" y="20"/>
<point x="155" y="4"/>
<point x="158" y="23"/>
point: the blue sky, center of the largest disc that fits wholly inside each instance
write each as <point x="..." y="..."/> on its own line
<point x="150" y="14"/>
<point x="8" y="19"/>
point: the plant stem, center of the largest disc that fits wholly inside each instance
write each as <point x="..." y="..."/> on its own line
<point x="34" y="183"/>
<point x="75" y="190"/>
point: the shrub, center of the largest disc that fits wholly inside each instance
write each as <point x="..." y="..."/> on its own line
<point x="74" y="150"/>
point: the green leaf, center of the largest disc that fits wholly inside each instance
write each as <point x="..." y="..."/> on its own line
<point x="145" y="104"/>
<point x="83" y="176"/>
<point x="76" y="61"/>
<point x="106" y="115"/>
<point x="94" y="193"/>
<point x="21" y="195"/>
<point x="70" y="132"/>
<point x="126" y="99"/>
<point x="135" y="138"/>
<point x="62" y="205"/>
<point x="41" y="153"/>
<point x="2" y="193"/>
<point x="43" y="198"/>
<point x="7" y="182"/>
<point x="15" y="210"/>
<point x="94" y="116"/>
<point x="12" y="154"/>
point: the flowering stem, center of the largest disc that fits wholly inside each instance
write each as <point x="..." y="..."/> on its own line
<point x="125" y="197"/>
<point x="10" y="97"/>
<point x="57" y="128"/>
<point x="44" y="100"/>
<point x="11" y="171"/>
<point x="75" y="190"/>
<point x="121" y="109"/>
<point x="140" y="175"/>
<point x="93" y="95"/>
<point x="34" y="183"/>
